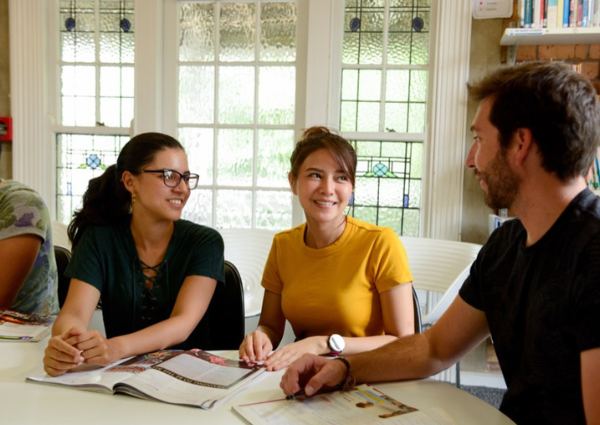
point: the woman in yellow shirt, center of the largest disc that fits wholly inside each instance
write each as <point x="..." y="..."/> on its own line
<point x="343" y="284"/>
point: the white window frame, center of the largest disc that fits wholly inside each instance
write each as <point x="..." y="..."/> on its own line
<point x="32" y="36"/>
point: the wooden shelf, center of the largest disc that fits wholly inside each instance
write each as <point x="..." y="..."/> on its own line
<point x="536" y="36"/>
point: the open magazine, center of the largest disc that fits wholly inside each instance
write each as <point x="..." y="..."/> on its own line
<point x="363" y="405"/>
<point x="24" y="327"/>
<point x="193" y="378"/>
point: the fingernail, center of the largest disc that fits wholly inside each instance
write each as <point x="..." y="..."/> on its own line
<point x="309" y="390"/>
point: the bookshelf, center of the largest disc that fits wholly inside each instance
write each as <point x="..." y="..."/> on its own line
<point x="537" y="36"/>
<point x="514" y="37"/>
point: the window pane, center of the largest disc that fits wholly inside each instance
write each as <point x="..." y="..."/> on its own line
<point x="236" y="95"/>
<point x="386" y="184"/>
<point x="198" y="143"/>
<point x="196" y="94"/>
<point x="80" y="158"/>
<point x="234" y="209"/>
<point x="273" y="209"/>
<point x="276" y="95"/>
<point x="235" y="157"/>
<point x="275" y="148"/>
<point x="197" y="35"/>
<point x="278" y="32"/>
<point x="199" y="207"/>
<point x="237" y="32"/>
<point x="97" y="33"/>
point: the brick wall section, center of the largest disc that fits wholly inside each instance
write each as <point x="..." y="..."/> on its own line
<point x="588" y="55"/>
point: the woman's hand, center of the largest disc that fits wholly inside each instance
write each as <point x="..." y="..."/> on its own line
<point x="95" y="348"/>
<point x="255" y="347"/>
<point x="290" y="353"/>
<point x="61" y="356"/>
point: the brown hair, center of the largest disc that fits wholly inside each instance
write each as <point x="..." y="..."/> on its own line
<point x="315" y="138"/>
<point x="559" y="106"/>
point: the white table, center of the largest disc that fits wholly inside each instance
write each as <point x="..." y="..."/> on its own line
<point x="24" y="402"/>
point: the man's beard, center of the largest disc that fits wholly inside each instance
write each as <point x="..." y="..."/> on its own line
<point x="502" y="183"/>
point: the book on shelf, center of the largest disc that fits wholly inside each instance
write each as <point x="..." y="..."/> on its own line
<point x="24" y="327"/>
<point x="192" y="378"/>
<point x="558" y="13"/>
<point x="364" y="404"/>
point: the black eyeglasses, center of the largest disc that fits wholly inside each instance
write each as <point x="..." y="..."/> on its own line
<point x="172" y="178"/>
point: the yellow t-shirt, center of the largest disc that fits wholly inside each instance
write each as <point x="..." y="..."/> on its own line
<point x="336" y="289"/>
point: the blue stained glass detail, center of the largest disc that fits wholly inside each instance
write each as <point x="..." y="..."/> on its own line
<point x="351" y="200"/>
<point x="418" y="24"/>
<point x="380" y="169"/>
<point x="93" y="161"/>
<point x="125" y="25"/>
<point x="69" y="189"/>
<point x="70" y="24"/>
<point x="405" y="201"/>
<point x="354" y="24"/>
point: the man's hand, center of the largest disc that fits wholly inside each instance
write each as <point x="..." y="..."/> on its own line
<point x="312" y="373"/>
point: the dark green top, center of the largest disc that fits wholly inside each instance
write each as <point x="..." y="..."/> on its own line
<point x="106" y="258"/>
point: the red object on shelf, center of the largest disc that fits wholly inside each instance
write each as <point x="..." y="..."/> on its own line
<point x="6" y="129"/>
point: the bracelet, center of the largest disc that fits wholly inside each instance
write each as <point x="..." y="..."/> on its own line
<point x="348" y="383"/>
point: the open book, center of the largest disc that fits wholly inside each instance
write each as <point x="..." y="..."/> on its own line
<point x="363" y="405"/>
<point x="24" y="327"/>
<point x="193" y="378"/>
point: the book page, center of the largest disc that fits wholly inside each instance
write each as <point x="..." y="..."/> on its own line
<point x="194" y="378"/>
<point x="104" y="379"/>
<point x="16" y="326"/>
<point x="364" y="405"/>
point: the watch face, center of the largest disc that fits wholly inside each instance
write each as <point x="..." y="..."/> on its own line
<point x="337" y="343"/>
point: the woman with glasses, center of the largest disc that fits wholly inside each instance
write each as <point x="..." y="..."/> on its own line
<point x="154" y="273"/>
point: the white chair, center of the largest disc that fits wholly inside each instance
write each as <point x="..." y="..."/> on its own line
<point x="59" y="235"/>
<point x="248" y="249"/>
<point x="439" y="268"/>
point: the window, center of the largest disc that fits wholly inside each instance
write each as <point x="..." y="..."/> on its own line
<point x="37" y="123"/>
<point x="383" y="104"/>
<point x="236" y="103"/>
<point x="96" y="93"/>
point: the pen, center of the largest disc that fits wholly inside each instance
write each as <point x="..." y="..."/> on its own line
<point x="296" y="395"/>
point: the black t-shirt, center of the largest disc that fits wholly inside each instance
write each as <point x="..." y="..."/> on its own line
<point x="542" y="305"/>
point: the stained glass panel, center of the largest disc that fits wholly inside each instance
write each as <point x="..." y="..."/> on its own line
<point x="79" y="158"/>
<point x="388" y="184"/>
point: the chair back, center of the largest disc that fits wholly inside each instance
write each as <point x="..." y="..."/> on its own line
<point x="248" y="249"/>
<point x="226" y="311"/>
<point x="60" y="234"/>
<point x="63" y="256"/>
<point x="439" y="266"/>
<point x="417" y="312"/>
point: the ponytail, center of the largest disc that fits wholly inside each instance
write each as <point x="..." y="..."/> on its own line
<point x="106" y="201"/>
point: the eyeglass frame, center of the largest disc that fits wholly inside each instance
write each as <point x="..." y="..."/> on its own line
<point x="182" y="177"/>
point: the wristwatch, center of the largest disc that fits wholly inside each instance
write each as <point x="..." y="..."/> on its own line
<point x="336" y="343"/>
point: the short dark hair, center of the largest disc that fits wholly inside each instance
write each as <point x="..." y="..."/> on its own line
<point x="315" y="138"/>
<point x="557" y="104"/>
